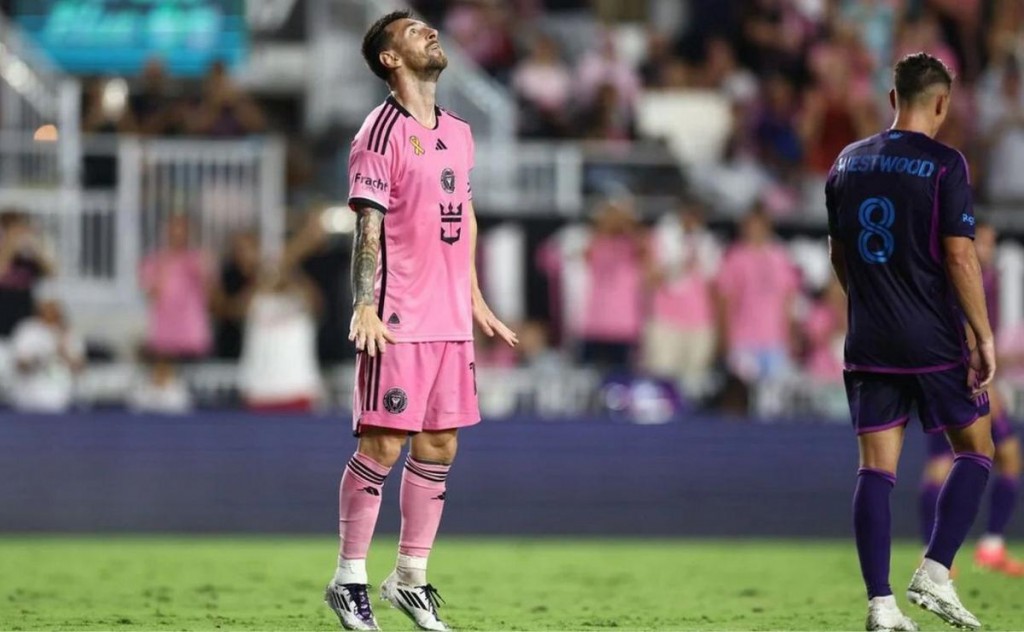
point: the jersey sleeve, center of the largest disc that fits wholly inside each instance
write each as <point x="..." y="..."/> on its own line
<point x="956" y="209"/>
<point x="371" y="174"/>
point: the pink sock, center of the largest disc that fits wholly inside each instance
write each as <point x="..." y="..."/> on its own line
<point x="359" y="504"/>
<point x="422" y="501"/>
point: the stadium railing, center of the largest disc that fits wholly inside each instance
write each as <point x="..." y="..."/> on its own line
<point x="99" y="234"/>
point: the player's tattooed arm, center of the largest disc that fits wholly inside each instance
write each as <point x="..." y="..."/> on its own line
<point x="365" y="247"/>
<point x="367" y="330"/>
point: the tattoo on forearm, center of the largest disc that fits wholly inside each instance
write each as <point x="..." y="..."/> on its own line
<point x="365" y="247"/>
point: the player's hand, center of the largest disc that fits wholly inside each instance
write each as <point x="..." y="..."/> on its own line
<point x="490" y="325"/>
<point x="983" y="366"/>
<point x="368" y="332"/>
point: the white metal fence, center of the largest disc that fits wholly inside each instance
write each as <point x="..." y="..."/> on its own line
<point x="100" y="234"/>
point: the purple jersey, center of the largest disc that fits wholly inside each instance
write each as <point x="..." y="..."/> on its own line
<point x="891" y="199"/>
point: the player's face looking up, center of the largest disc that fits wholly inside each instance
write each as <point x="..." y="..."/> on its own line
<point x="415" y="46"/>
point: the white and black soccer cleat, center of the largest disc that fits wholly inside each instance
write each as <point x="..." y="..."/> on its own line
<point x="887" y="617"/>
<point x="419" y="603"/>
<point x="940" y="599"/>
<point x="351" y="602"/>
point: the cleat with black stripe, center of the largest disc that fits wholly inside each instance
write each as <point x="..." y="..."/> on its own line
<point x="419" y="603"/>
<point x="351" y="602"/>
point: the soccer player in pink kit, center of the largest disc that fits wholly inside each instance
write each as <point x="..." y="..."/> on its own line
<point x="416" y="299"/>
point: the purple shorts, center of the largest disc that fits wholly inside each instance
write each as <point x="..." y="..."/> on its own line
<point x="1001" y="431"/>
<point x="879" y="401"/>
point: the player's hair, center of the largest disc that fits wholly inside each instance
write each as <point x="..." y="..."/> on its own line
<point x="916" y="73"/>
<point x="377" y="39"/>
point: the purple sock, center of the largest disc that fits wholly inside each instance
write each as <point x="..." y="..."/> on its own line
<point x="872" y="528"/>
<point x="958" y="505"/>
<point x="926" y="505"/>
<point x="1004" y="498"/>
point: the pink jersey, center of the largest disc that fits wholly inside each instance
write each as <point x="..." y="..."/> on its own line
<point x="419" y="178"/>
<point x="614" y="298"/>
<point x="758" y="283"/>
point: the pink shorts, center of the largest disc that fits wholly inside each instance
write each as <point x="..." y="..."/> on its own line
<point x="417" y="386"/>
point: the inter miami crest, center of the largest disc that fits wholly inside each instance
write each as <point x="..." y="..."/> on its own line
<point x="448" y="181"/>
<point x="395" y="401"/>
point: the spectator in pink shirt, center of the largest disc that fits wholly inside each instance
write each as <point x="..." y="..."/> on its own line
<point x="616" y="260"/>
<point x="543" y="84"/>
<point x="756" y="286"/>
<point x="679" y="339"/>
<point x="603" y="67"/>
<point x="825" y="335"/>
<point x="176" y="281"/>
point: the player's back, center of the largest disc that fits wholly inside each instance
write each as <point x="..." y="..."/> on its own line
<point x="891" y="199"/>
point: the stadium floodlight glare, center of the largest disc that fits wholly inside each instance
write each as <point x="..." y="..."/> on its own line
<point x="338" y="219"/>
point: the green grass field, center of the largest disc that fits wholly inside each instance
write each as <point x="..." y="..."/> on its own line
<point x="137" y="583"/>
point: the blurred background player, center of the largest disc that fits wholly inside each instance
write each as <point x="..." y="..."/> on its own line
<point x="901" y="225"/>
<point x="416" y="374"/>
<point x="991" y="551"/>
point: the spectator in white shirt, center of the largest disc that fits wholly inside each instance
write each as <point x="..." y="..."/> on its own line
<point x="47" y="355"/>
<point x="279" y="371"/>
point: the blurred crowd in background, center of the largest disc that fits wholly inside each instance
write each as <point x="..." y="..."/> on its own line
<point x="804" y="77"/>
<point x="703" y="305"/>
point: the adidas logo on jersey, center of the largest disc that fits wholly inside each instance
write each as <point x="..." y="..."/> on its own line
<point x="440" y="146"/>
<point x="394" y="320"/>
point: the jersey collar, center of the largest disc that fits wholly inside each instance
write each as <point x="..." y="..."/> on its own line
<point x="398" y="106"/>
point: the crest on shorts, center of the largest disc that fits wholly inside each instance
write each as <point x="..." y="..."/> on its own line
<point x="448" y="181"/>
<point x="395" y="400"/>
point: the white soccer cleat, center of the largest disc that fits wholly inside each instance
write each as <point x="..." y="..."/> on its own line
<point x="419" y="603"/>
<point x="887" y="617"/>
<point x="941" y="600"/>
<point x="351" y="602"/>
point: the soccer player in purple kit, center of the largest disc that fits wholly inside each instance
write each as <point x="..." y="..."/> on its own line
<point x="416" y="299"/>
<point x="990" y="553"/>
<point x="901" y="225"/>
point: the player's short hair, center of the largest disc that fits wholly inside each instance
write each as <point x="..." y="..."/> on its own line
<point x="377" y="39"/>
<point x="916" y="73"/>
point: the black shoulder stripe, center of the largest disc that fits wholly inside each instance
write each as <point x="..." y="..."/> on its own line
<point x="376" y="123"/>
<point x="375" y="137"/>
<point x="387" y="134"/>
<point x="381" y="141"/>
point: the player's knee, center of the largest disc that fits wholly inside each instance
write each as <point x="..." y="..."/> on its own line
<point x="383" y="447"/>
<point x="436" y="447"/>
<point x="977" y="444"/>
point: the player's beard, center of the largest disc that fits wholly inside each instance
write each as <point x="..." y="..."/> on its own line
<point x="434" y="63"/>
